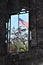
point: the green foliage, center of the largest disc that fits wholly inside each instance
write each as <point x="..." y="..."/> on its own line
<point x="15" y="46"/>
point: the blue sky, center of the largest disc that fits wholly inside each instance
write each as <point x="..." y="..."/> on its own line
<point x="14" y="19"/>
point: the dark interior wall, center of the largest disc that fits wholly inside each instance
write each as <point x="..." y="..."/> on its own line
<point x="13" y="6"/>
<point x="36" y="17"/>
<point x="16" y="5"/>
<point x="3" y="19"/>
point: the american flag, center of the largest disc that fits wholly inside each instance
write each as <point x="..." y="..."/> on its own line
<point x="25" y="23"/>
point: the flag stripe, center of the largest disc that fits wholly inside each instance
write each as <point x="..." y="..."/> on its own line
<point x="23" y="22"/>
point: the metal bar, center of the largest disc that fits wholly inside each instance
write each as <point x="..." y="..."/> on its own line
<point x="29" y="24"/>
